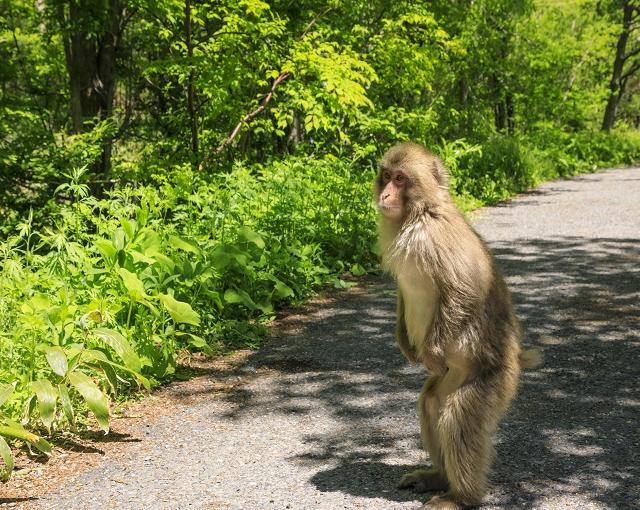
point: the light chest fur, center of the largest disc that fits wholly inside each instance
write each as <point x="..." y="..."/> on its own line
<point x="420" y="296"/>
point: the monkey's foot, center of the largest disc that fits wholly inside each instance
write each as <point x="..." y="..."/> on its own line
<point x="424" y="480"/>
<point x="444" y="502"/>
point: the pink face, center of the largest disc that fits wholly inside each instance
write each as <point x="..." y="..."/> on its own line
<point x="391" y="200"/>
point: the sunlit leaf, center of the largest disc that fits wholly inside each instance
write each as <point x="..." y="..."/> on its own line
<point x="5" y="391"/>
<point x="200" y="344"/>
<point x="57" y="360"/>
<point x="223" y="255"/>
<point x="106" y="248"/>
<point x="134" y="285"/>
<point x="7" y="458"/>
<point x="281" y="290"/>
<point x="14" y="430"/>
<point x="129" y="227"/>
<point x="47" y="396"/>
<point x="357" y="270"/>
<point x="93" y="396"/>
<point x="122" y="347"/>
<point x="65" y="402"/>
<point x="183" y="244"/>
<point x="247" y="235"/>
<point x="239" y="296"/>
<point x="27" y="409"/>
<point x="94" y="354"/>
<point x="150" y="242"/>
<point x="179" y="311"/>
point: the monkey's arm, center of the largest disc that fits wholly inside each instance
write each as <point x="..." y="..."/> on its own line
<point x="401" y="332"/>
<point x="459" y="370"/>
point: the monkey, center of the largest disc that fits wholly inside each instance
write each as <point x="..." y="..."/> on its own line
<point x="455" y="317"/>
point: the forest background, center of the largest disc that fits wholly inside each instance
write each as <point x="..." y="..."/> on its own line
<point x="174" y="171"/>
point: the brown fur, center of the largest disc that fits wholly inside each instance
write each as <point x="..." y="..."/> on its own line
<point x="471" y="344"/>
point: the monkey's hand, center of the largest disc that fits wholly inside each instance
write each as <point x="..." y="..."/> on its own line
<point x="402" y="337"/>
<point x="407" y="351"/>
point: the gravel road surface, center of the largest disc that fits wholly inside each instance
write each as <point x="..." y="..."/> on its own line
<point x="324" y="416"/>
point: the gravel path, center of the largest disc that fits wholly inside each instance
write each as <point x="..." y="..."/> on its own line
<point x="324" y="416"/>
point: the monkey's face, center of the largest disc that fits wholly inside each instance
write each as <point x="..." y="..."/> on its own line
<point x="411" y="181"/>
<point x="392" y="185"/>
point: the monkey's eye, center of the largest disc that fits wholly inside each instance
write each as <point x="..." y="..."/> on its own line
<point x="400" y="178"/>
<point x="386" y="176"/>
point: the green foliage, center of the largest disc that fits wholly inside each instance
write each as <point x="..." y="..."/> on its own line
<point x="107" y="298"/>
<point x="117" y="258"/>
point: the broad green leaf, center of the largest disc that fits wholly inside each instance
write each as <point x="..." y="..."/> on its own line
<point x="5" y="392"/>
<point x="166" y="262"/>
<point x="95" y="355"/>
<point x="339" y="283"/>
<point x="57" y="360"/>
<point x="281" y="290"/>
<point x="200" y="343"/>
<point x="118" y="238"/>
<point x="7" y="457"/>
<point x="129" y="227"/>
<point x="223" y="255"/>
<point x="215" y="297"/>
<point x="122" y="347"/>
<point x="47" y="396"/>
<point x="65" y="402"/>
<point x="92" y="316"/>
<point x="183" y="244"/>
<point x="95" y="399"/>
<point x="14" y="430"/>
<point x="247" y="235"/>
<point x="239" y="296"/>
<point x="27" y="409"/>
<point x="141" y="257"/>
<point x="357" y="270"/>
<point x="179" y="311"/>
<point x="134" y="285"/>
<point x="106" y="248"/>
<point x="150" y="243"/>
<point x="112" y="377"/>
<point x="37" y="303"/>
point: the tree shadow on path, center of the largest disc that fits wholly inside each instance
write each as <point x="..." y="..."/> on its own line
<point x="573" y="430"/>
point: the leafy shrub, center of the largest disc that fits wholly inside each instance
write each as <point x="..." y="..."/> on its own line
<point x="105" y="300"/>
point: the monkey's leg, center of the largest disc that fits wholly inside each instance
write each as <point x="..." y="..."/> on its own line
<point x="424" y="480"/>
<point x="469" y="415"/>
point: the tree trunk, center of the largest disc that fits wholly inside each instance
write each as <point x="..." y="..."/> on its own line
<point x="193" y="114"/>
<point x="91" y="57"/>
<point x="499" y="106"/>
<point x="618" y="81"/>
<point x="295" y="135"/>
<point x="511" y="113"/>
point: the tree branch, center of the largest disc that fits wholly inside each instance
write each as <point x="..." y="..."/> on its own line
<point x="631" y="54"/>
<point x="314" y="20"/>
<point x="249" y="116"/>
<point x="630" y="71"/>
<point x="265" y="100"/>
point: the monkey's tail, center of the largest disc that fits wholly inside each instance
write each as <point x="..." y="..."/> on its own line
<point x="531" y="358"/>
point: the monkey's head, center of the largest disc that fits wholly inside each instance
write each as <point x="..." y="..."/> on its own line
<point x="411" y="181"/>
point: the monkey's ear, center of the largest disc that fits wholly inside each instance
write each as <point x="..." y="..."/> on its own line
<point x="440" y="173"/>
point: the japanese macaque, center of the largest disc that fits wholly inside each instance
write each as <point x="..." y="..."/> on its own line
<point x="455" y="317"/>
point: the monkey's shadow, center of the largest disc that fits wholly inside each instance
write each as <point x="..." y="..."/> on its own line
<point x="571" y="429"/>
<point x="369" y="479"/>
